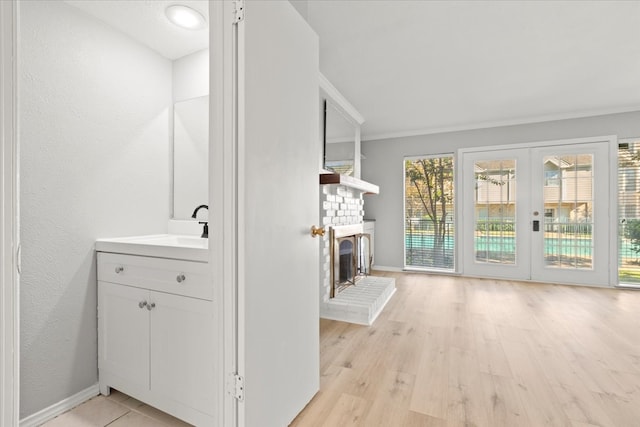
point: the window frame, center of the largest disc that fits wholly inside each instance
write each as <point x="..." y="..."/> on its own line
<point x="453" y="213"/>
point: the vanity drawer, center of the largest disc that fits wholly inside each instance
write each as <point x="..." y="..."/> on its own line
<point x="173" y="276"/>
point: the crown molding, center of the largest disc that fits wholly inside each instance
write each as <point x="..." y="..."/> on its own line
<point x="500" y="123"/>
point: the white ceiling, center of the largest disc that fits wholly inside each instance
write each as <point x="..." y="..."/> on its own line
<point x="412" y="67"/>
<point x="145" y="21"/>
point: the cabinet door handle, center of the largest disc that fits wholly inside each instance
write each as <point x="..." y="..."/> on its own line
<point x="142" y="304"/>
<point x="151" y="306"/>
<point x="119" y="269"/>
<point x="181" y="278"/>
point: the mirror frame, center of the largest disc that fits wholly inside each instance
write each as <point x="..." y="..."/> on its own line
<point x="328" y="93"/>
<point x="339" y="117"/>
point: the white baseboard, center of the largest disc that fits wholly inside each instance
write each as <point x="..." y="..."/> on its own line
<point x="385" y="268"/>
<point x="56" y="409"/>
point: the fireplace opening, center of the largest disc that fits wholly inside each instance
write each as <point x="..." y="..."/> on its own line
<point x="346" y="260"/>
<point x="350" y="256"/>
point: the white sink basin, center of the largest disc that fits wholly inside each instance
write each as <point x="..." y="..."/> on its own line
<point x="169" y="240"/>
<point x="175" y="246"/>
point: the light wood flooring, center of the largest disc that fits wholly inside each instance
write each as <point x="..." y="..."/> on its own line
<point x="452" y="351"/>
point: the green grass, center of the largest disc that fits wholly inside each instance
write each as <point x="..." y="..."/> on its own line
<point x="629" y="276"/>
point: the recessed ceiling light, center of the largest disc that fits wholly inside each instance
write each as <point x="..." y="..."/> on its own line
<point x="185" y="17"/>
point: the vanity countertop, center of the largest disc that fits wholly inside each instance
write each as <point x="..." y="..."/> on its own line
<point x="189" y="248"/>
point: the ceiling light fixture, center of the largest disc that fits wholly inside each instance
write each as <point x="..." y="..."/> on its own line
<point x="185" y="17"/>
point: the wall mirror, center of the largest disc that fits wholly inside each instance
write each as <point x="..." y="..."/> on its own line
<point x="190" y="155"/>
<point x="339" y="140"/>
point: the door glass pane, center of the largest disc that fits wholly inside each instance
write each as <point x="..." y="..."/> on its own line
<point x="495" y="211"/>
<point x="629" y="211"/>
<point x="429" y="207"/>
<point x="568" y="211"/>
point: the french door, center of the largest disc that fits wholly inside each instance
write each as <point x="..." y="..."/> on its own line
<point x="538" y="213"/>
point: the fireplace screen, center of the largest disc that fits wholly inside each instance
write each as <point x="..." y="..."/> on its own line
<point x="350" y="260"/>
<point x="347" y="267"/>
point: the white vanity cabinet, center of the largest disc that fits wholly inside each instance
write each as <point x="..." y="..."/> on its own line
<point x="156" y="333"/>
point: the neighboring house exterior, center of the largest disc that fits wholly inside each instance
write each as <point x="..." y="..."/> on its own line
<point x="568" y="189"/>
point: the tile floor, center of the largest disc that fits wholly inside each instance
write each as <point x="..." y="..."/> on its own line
<point x="115" y="410"/>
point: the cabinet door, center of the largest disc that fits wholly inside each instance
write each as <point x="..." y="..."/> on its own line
<point x="123" y="322"/>
<point x="182" y="350"/>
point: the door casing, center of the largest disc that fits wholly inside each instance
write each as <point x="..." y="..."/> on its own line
<point x="9" y="237"/>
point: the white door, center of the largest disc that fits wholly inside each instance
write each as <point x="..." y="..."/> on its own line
<point x="278" y="202"/>
<point x="538" y="213"/>
<point x="570" y="199"/>
<point x="495" y="215"/>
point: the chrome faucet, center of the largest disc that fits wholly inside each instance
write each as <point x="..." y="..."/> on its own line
<point x="205" y="229"/>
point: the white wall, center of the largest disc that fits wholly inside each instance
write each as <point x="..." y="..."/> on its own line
<point x="191" y="76"/>
<point x="384" y="165"/>
<point x="302" y="6"/>
<point x="94" y="162"/>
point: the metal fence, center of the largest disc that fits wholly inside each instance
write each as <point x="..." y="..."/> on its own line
<point x="423" y="248"/>
<point x="425" y="251"/>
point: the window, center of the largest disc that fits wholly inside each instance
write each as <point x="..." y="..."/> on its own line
<point x="551" y="178"/>
<point x="628" y="177"/>
<point x="629" y="212"/>
<point x="429" y="212"/>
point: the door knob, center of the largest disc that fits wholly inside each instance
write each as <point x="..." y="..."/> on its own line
<point x="315" y="231"/>
<point x="142" y="304"/>
<point x="151" y="306"/>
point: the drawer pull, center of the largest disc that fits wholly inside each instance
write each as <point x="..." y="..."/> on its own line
<point x="181" y="278"/>
<point x="151" y="306"/>
<point x="142" y="304"/>
<point x="119" y="269"/>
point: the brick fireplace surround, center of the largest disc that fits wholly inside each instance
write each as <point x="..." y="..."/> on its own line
<point x="342" y="205"/>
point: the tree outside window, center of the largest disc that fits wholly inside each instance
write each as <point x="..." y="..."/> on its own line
<point x="429" y="209"/>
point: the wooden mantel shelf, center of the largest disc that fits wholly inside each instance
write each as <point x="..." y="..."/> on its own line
<point x="349" y="181"/>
